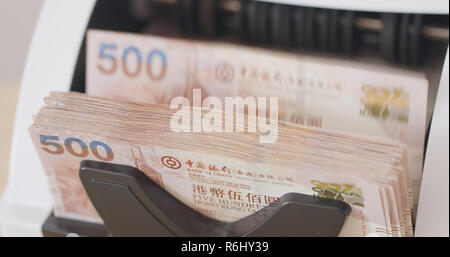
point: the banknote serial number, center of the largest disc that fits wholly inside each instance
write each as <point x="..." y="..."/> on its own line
<point x="210" y="248"/>
<point x="76" y="147"/>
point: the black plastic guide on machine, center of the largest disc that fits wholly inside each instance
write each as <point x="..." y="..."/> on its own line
<point x="131" y="204"/>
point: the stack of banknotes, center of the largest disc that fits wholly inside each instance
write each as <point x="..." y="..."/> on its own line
<point x="344" y="130"/>
<point x="328" y="93"/>
<point x="225" y="176"/>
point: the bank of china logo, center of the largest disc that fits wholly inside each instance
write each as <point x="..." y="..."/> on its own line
<point x="171" y="162"/>
<point x="224" y="73"/>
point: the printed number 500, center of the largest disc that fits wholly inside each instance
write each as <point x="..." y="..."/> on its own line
<point x="107" y="52"/>
<point x="50" y="145"/>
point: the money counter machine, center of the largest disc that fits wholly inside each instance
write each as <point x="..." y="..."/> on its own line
<point x="408" y="34"/>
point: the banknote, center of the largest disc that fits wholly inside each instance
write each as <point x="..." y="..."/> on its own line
<point x="225" y="176"/>
<point x="320" y="92"/>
